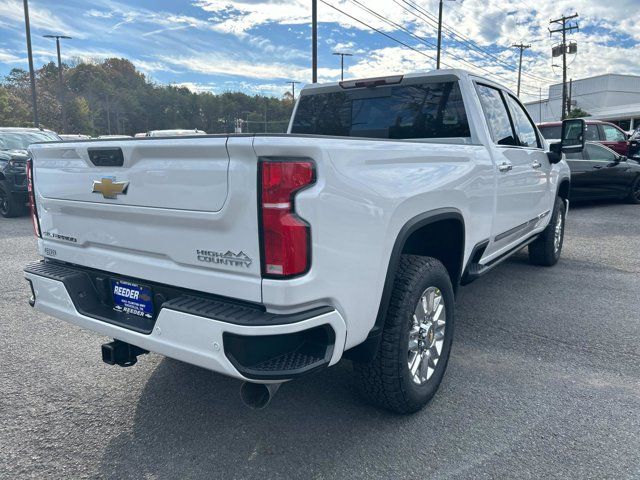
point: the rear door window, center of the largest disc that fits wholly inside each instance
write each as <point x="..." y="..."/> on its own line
<point x="496" y="115"/>
<point x="612" y="134"/>
<point x="599" y="153"/>
<point x="424" y="111"/>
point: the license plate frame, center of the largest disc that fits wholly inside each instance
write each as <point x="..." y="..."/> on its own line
<point x="132" y="298"/>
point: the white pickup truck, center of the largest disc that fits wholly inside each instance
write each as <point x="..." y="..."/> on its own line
<point x="268" y="257"/>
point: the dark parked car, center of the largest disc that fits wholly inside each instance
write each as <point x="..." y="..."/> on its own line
<point x="599" y="172"/>
<point x="634" y="145"/>
<point x="13" y="166"/>
<point x="606" y="133"/>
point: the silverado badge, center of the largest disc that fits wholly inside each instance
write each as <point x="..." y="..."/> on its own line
<point x="109" y="188"/>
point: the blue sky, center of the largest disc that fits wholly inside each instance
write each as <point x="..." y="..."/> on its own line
<point x="256" y="46"/>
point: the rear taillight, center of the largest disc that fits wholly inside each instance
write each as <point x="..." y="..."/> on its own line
<point x="286" y="238"/>
<point x="32" y="199"/>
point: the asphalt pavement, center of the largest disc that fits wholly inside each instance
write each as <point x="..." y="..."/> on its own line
<point x="543" y="382"/>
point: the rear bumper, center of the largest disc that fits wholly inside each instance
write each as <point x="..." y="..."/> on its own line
<point x="263" y="349"/>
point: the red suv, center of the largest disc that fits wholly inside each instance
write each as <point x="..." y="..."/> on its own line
<point x="605" y="133"/>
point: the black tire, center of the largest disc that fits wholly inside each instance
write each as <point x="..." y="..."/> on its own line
<point x="9" y="208"/>
<point x="543" y="250"/>
<point x="634" y="192"/>
<point x="386" y="381"/>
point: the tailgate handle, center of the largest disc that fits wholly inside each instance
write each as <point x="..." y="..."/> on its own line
<point x="106" y="157"/>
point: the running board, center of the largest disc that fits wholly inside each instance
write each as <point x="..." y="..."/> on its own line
<point x="476" y="270"/>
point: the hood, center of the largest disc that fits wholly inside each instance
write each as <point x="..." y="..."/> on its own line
<point x="15" y="154"/>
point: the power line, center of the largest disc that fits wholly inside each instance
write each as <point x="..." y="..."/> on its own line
<point x="429" y="17"/>
<point x="379" y="31"/>
<point x="425" y="41"/>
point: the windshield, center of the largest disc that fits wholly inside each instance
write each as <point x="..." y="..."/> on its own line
<point x="430" y="110"/>
<point x="22" y="140"/>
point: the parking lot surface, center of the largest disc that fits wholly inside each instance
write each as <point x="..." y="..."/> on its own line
<point x="543" y="381"/>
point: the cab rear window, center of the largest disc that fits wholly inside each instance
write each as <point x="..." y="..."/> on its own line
<point x="424" y="111"/>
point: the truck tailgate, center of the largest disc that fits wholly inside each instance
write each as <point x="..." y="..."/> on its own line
<point x="180" y="174"/>
<point x="169" y="214"/>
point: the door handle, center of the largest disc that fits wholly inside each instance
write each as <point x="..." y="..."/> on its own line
<point x="597" y="166"/>
<point x="504" y="167"/>
<point x="536" y="164"/>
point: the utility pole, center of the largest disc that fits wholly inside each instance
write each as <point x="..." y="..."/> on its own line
<point x="569" y="99"/>
<point x="566" y="27"/>
<point x="108" y="116"/>
<point x="540" y="107"/>
<point x="342" y="55"/>
<point x="522" y="48"/>
<point x="439" y="35"/>
<point x="314" y="42"/>
<point x="32" y="75"/>
<point x="293" y="88"/>
<point x="246" y="120"/>
<point x="266" y="102"/>
<point x="60" y="84"/>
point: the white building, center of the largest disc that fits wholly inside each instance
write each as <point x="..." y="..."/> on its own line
<point x="611" y="97"/>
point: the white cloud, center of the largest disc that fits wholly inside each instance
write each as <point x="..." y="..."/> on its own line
<point x="216" y="63"/>
<point x="12" y="16"/>
<point x="7" y="56"/>
<point x="98" y="13"/>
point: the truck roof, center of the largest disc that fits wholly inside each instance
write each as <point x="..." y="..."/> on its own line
<point x="398" y="79"/>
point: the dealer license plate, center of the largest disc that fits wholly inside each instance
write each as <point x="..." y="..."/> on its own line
<point x="132" y="298"/>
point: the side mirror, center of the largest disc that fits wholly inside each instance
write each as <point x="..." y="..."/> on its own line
<point x="622" y="158"/>
<point x="573" y="136"/>
<point x="572" y="139"/>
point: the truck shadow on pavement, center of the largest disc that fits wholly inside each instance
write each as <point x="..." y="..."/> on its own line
<point x="504" y="389"/>
<point x="190" y="422"/>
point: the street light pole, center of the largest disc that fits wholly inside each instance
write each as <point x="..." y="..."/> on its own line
<point x="293" y="89"/>
<point x="32" y="75"/>
<point x="60" y="84"/>
<point x="342" y="55"/>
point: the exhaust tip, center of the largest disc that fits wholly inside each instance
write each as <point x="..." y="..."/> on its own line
<point x="257" y="395"/>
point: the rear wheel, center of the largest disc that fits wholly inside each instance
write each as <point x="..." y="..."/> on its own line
<point x="8" y="205"/>
<point x="634" y="192"/>
<point x="416" y="338"/>
<point x="546" y="249"/>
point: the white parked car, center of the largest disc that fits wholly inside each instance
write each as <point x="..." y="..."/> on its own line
<point x="175" y="132"/>
<point x="268" y="257"/>
<point x="74" y="136"/>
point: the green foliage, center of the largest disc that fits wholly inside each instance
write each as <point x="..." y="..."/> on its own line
<point x="113" y="96"/>
<point x="577" y="113"/>
<point x="13" y="110"/>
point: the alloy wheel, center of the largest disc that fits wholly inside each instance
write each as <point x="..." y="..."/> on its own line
<point x="4" y="203"/>
<point x="426" y="335"/>
<point x="557" y="234"/>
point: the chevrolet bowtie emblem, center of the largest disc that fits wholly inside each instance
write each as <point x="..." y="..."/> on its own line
<point x="109" y="188"/>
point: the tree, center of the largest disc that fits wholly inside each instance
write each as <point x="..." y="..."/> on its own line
<point x="113" y="93"/>
<point x="13" y="109"/>
<point x="577" y="112"/>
